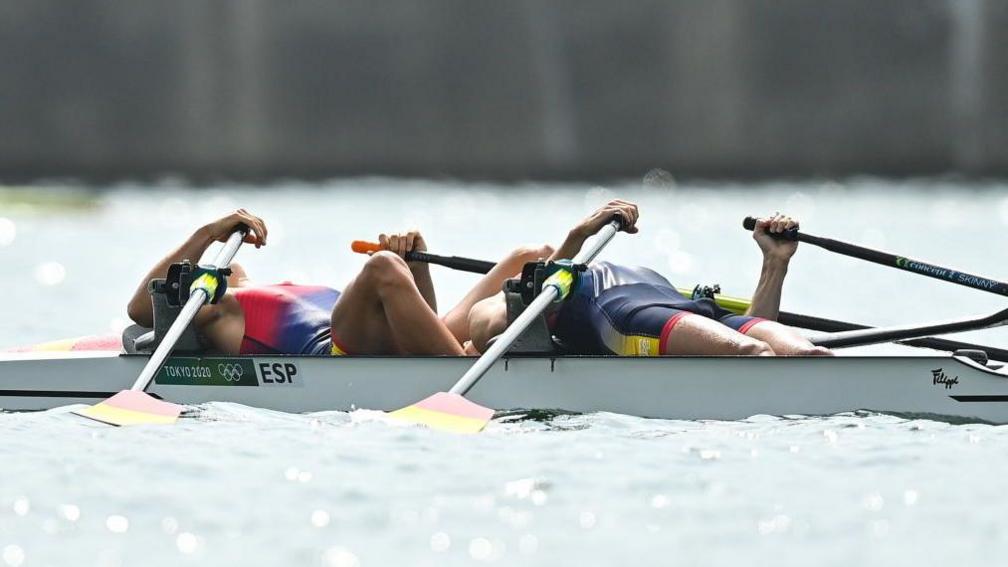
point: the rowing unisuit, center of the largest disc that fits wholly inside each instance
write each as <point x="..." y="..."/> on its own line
<point x="630" y="311"/>
<point x="287" y="319"/>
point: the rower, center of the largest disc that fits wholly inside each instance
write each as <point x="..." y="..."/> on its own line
<point x="244" y="318"/>
<point x="388" y="308"/>
<point x="621" y="310"/>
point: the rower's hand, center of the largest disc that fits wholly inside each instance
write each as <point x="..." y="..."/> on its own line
<point x="222" y="228"/>
<point x="402" y="243"/>
<point x="626" y="210"/>
<point x="775" y="248"/>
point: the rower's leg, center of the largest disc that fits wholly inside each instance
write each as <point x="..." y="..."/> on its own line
<point x="690" y="333"/>
<point x="785" y="340"/>
<point x="381" y="311"/>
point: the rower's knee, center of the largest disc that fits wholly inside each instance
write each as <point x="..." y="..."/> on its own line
<point x="386" y="270"/>
<point x="755" y="347"/>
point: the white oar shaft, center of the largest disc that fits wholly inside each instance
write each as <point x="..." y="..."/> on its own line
<point x="503" y="342"/>
<point x="534" y="310"/>
<point x="188" y="313"/>
<point x="185" y="317"/>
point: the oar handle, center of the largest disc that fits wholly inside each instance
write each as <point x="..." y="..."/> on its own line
<point x="453" y="262"/>
<point x="749" y="223"/>
<point x="471" y="264"/>
<point x="891" y="260"/>
<point x="231" y="246"/>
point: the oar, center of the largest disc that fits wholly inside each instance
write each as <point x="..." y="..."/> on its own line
<point x="454" y="262"/>
<point x="450" y="410"/>
<point x="740" y="305"/>
<point x="134" y="406"/>
<point x="891" y="260"/>
<point x="737" y="305"/>
<point x="859" y="337"/>
<point x="934" y="343"/>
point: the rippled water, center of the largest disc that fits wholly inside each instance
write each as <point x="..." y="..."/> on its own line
<point x="350" y="489"/>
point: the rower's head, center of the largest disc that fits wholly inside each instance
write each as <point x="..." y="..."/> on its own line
<point x="487" y="319"/>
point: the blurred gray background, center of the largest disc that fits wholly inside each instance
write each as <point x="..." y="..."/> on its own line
<point x="256" y="89"/>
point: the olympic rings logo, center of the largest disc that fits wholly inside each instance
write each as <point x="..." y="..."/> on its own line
<point x="230" y="372"/>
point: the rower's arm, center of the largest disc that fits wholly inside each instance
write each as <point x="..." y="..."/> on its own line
<point x="767" y="297"/>
<point x="571" y="245"/>
<point x="457" y="320"/>
<point x="139" y="307"/>
<point x="422" y="277"/>
<point x="777" y="253"/>
<point x="590" y="226"/>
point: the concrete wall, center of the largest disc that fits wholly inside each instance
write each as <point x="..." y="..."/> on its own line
<point x="522" y="88"/>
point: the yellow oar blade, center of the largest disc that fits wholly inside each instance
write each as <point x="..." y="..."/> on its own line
<point x="132" y="408"/>
<point x="447" y="412"/>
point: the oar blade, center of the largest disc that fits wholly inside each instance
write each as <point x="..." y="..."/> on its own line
<point x="131" y="407"/>
<point x="447" y="412"/>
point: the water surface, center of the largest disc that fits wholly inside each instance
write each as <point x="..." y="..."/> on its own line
<point x="350" y="489"/>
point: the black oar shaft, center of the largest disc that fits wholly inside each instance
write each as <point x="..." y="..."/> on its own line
<point x="893" y="261"/>
<point x="834" y="326"/>
<point x="877" y="335"/>
<point x="454" y="262"/>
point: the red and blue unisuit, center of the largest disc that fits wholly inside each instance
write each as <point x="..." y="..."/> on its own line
<point x="288" y="319"/>
<point x="630" y="311"/>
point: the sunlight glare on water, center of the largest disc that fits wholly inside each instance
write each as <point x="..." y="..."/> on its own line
<point x="348" y="489"/>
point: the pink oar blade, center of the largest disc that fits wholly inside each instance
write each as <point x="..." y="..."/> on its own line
<point x="448" y="412"/>
<point x="132" y="407"/>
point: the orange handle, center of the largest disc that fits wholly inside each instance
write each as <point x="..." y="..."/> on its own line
<point x="363" y="246"/>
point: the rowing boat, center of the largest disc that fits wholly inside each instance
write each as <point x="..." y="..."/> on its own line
<point x="951" y="386"/>
<point x="965" y="385"/>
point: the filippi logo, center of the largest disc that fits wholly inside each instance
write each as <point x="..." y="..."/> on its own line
<point x="938" y="376"/>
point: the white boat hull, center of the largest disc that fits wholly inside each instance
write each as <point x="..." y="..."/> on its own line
<point x="659" y="387"/>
